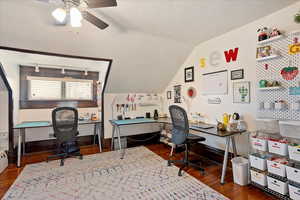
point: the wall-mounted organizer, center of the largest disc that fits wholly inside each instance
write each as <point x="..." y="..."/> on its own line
<point x="277" y="102"/>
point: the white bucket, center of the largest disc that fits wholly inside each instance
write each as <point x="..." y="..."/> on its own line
<point x="240" y="169"/>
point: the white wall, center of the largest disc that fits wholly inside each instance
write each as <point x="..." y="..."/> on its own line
<point x="110" y="112"/>
<point x="245" y="38"/>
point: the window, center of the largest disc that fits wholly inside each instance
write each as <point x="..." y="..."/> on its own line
<point x="50" y="88"/>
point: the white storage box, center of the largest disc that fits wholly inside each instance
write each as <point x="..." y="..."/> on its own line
<point x="268" y="105"/>
<point x="290" y="129"/>
<point x="3" y="161"/>
<point x="294" y="192"/>
<point x="276" y="168"/>
<point x="293" y="173"/>
<point x="277" y="185"/>
<point x="259" y="144"/>
<point x="259" y="178"/>
<point x="278" y="148"/>
<point x="294" y="153"/>
<point x="295" y="106"/>
<point x="270" y="126"/>
<point x="280" y="106"/>
<point x="258" y="161"/>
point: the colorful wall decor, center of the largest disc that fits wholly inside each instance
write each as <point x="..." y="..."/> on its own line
<point x="231" y="55"/>
<point x="241" y="92"/>
<point x="295" y="47"/>
<point x="177" y="94"/>
<point x="237" y="74"/>
<point x="189" y="74"/>
<point x="202" y="62"/>
<point x="264" y="51"/>
<point x="191" y="92"/>
<point x="214" y="58"/>
<point x="289" y="73"/>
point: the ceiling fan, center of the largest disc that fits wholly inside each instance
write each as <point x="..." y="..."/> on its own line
<point x="73" y="11"/>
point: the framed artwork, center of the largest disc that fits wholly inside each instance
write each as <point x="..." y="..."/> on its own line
<point x="189" y="74"/>
<point x="263" y="52"/>
<point x="241" y="92"/>
<point x="237" y="74"/>
<point x="169" y="94"/>
<point x="177" y="94"/>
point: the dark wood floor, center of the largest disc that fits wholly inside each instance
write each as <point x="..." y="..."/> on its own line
<point x="211" y="177"/>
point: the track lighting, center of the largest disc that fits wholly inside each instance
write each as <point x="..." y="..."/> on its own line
<point x="60" y="14"/>
<point x="63" y="70"/>
<point x="37" y="69"/>
<point x="85" y="72"/>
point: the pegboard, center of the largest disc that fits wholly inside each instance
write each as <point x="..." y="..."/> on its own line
<point x="273" y="74"/>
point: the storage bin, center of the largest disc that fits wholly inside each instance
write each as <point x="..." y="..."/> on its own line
<point x="294" y="192"/>
<point x="278" y="147"/>
<point x="270" y="126"/>
<point x="280" y="106"/>
<point x="259" y="144"/>
<point x="294" y="152"/>
<point x="290" y="129"/>
<point x="293" y="173"/>
<point x="276" y="168"/>
<point x="259" y="178"/>
<point x="277" y="185"/>
<point x="258" y="161"/>
<point x="268" y="105"/>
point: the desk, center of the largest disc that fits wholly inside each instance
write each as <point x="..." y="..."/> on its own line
<point x="229" y="136"/>
<point x="40" y="124"/>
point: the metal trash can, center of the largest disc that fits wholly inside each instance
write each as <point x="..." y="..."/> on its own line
<point x="240" y="169"/>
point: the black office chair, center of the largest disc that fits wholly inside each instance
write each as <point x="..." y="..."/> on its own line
<point x="65" y="126"/>
<point x="181" y="136"/>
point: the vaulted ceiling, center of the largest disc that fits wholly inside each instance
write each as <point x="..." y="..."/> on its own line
<point x="148" y="40"/>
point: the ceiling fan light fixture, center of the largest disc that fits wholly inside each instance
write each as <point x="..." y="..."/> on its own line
<point x="76" y="17"/>
<point x="60" y="14"/>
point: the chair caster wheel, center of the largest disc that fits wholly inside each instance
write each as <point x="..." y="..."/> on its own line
<point x="179" y="173"/>
<point x="80" y="157"/>
<point x="61" y="163"/>
<point x="202" y="173"/>
<point x="169" y="163"/>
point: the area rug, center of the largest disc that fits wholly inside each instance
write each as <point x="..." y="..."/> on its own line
<point x="140" y="175"/>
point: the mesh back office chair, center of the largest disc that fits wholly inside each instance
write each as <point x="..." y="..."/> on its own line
<point x="65" y="126"/>
<point x="181" y="136"/>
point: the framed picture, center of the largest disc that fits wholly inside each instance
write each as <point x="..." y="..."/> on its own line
<point x="241" y="92"/>
<point x="177" y="94"/>
<point x="169" y="94"/>
<point x="263" y="52"/>
<point x="237" y="74"/>
<point x="189" y="74"/>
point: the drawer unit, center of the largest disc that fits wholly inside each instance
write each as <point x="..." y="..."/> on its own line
<point x="258" y="161"/>
<point x="259" y="178"/>
<point x="293" y="174"/>
<point x="294" y="153"/>
<point x="294" y="192"/>
<point x="259" y="144"/>
<point x="278" y="148"/>
<point x="276" y="168"/>
<point x="277" y="185"/>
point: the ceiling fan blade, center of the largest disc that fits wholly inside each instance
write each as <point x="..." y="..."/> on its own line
<point x="94" y="20"/>
<point x="101" y="3"/>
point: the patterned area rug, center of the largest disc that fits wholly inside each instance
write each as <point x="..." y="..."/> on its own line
<point x="140" y="175"/>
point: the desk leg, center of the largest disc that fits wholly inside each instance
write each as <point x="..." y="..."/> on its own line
<point x="95" y="132"/>
<point x="23" y="140"/>
<point x="19" y="148"/>
<point x="233" y="146"/>
<point x="99" y="136"/>
<point x="225" y="160"/>
<point x="112" y="138"/>
<point x="122" y="151"/>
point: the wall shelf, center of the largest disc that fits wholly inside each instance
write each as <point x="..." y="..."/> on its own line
<point x="270" y="88"/>
<point x="267" y="58"/>
<point x="272" y="39"/>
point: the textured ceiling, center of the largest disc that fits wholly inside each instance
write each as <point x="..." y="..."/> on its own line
<point x="148" y="40"/>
